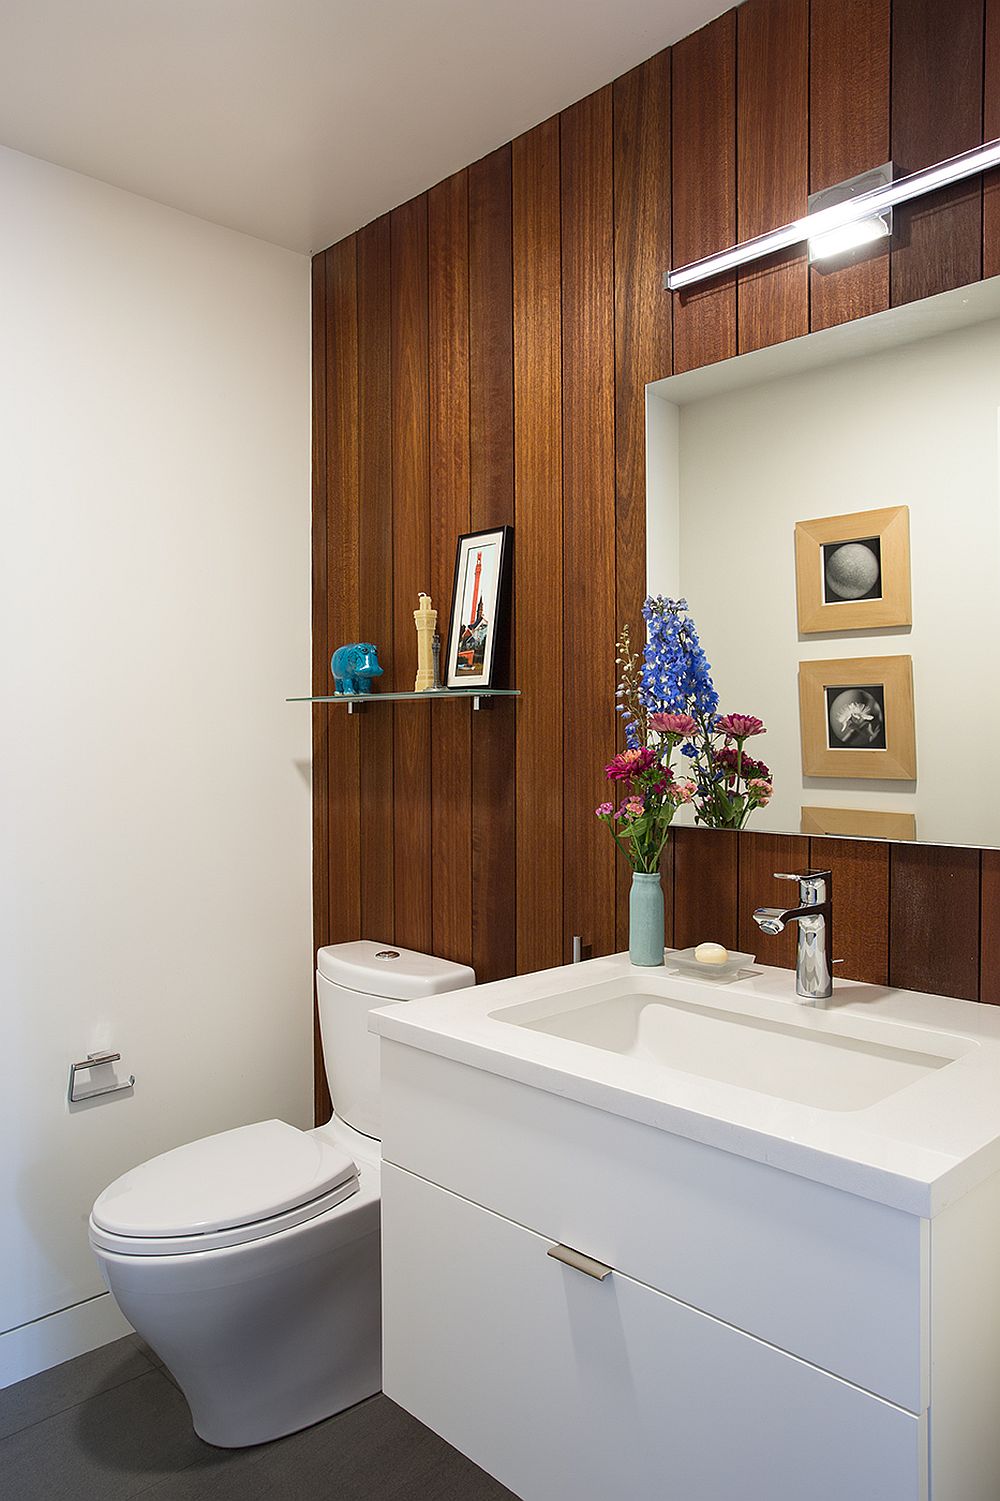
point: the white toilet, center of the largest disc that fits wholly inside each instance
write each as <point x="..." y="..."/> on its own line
<point x="249" y="1260"/>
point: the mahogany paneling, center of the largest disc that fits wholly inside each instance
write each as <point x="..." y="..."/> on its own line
<point x="451" y="730"/>
<point x="706" y="887"/>
<point x="491" y="406"/>
<point x="320" y="665"/>
<point x="375" y="573"/>
<point x="934" y="920"/>
<point x="643" y="336"/>
<point x="539" y="651"/>
<point x="989" y="954"/>
<point x="860" y="905"/>
<point x="588" y="426"/>
<point x="991" y="130"/>
<point x="411" y="570"/>
<point x="703" y="186"/>
<point x="848" y="134"/>
<point x="761" y="856"/>
<point x="937" y="111"/>
<point x="772" y="170"/>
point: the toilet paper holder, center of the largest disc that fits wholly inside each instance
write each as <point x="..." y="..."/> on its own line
<point x="95" y="1060"/>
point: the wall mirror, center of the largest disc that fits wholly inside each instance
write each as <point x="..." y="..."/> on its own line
<point x="830" y="509"/>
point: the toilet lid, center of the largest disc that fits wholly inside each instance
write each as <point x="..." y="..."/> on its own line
<point x="236" y="1178"/>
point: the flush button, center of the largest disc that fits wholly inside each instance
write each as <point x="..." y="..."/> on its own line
<point x="387" y="954"/>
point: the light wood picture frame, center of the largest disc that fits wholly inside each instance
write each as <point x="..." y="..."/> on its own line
<point x="852" y="572"/>
<point x="856" y="718"/>
<point x="858" y="823"/>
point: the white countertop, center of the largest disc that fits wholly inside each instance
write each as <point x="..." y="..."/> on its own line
<point x="916" y="1150"/>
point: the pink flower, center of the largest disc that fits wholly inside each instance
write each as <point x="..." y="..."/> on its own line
<point x="605" y="810"/>
<point x="763" y="791"/>
<point x="681" y="725"/>
<point x="739" y="726"/>
<point x="633" y="807"/>
<point x="628" y="764"/>
<point x="683" y="792"/>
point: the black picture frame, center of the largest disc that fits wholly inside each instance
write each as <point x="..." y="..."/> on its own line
<point x="474" y="655"/>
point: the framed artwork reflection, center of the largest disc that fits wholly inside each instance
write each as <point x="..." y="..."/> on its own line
<point x="856" y="717"/>
<point x="852" y="573"/>
<point x="859" y="823"/>
<point x="479" y="603"/>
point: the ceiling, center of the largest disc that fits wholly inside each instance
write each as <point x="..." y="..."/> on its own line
<point x="300" y="120"/>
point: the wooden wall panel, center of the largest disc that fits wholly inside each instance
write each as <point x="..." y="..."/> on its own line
<point x="451" y="729"/>
<point x="491" y="403"/>
<point x="480" y="356"/>
<point x="375" y="576"/>
<point x="937" y="111"/>
<point x="588" y="426"/>
<point x="538" y="659"/>
<point x="411" y="571"/>
<point x="934" y="928"/>
<point x="761" y="857"/>
<point x="848" y="134"/>
<point x="703" y="187"/>
<point x="643" y="339"/>
<point x="772" y="173"/>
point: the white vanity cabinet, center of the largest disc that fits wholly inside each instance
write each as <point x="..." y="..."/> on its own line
<point x="761" y="1336"/>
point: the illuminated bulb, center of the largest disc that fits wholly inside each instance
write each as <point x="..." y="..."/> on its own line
<point x="847" y="237"/>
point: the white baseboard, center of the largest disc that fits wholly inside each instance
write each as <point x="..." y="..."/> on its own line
<point x="49" y="1341"/>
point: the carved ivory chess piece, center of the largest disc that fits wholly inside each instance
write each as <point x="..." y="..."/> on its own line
<point x="426" y="620"/>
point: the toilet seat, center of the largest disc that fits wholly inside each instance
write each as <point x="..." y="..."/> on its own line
<point x="224" y="1190"/>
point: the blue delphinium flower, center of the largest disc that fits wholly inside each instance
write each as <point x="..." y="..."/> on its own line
<point x="676" y="675"/>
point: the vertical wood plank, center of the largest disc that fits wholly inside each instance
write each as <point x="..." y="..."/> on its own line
<point x="848" y="134"/>
<point x="772" y="164"/>
<point x="375" y="573"/>
<point x="411" y="565"/>
<point x="538" y="513"/>
<point x="451" y="742"/>
<point x="643" y="339"/>
<point x="703" y="183"/>
<point x="705" y="884"/>
<point x="991" y="130"/>
<point x="588" y="419"/>
<point x="761" y="855"/>
<point x="491" y="405"/>
<point x="320" y="667"/>
<point x="989" y="962"/>
<point x="860" y="905"/>
<point x="934" y="920"/>
<point x="937" y="111"/>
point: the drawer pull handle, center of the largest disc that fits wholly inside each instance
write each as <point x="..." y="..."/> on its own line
<point x="579" y="1262"/>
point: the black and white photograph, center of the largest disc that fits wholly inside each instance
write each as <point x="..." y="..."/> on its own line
<point x="852" y="570"/>
<point x="856" y="718"/>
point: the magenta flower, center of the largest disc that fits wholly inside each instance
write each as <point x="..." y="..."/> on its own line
<point x="681" y="725"/>
<point x="605" y="810"/>
<point x="728" y="757"/>
<point x="739" y="726"/>
<point x="628" y="764"/>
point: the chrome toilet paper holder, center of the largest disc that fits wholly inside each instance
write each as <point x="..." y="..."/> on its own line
<point x="94" y="1060"/>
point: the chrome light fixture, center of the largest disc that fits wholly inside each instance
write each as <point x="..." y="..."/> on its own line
<point x="860" y="209"/>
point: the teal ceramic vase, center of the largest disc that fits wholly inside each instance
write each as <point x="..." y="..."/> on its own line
<point x="645" y="919"/>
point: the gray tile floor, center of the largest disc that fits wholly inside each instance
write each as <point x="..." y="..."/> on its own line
<point x="112" y="1425"/>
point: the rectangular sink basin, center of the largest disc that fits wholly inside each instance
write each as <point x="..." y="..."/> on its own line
<point x="815" y="1062"/>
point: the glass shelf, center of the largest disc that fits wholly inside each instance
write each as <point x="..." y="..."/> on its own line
<point x="356" y="701"/>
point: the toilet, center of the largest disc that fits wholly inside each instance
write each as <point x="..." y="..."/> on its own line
<point x="249" y="1260"/>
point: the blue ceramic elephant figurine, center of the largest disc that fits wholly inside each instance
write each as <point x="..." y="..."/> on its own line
<point x="353" y="667"/>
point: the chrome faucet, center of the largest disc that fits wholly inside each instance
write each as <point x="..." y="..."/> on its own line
<point x="814" y="915"/>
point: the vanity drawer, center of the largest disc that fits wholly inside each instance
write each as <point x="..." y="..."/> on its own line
<point x="571" y="1389"/>
<point x="837" y="1280"/>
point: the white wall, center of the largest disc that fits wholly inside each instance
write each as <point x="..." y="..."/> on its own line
<point x="915" y="426"/>
<point x="154" y="612"/>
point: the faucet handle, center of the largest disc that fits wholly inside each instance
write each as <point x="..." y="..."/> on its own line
<point x="814" y="885"/>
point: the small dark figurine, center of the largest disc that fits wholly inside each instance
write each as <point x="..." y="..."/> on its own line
<point x="353" y="667"/>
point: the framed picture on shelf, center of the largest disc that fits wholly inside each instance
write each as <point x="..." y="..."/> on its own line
<point x="856" y="716"/>
<point x="478" y="605"/>
<point x="852" y="573"/>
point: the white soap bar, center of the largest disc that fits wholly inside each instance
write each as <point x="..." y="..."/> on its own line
<point x="711" y="953"/>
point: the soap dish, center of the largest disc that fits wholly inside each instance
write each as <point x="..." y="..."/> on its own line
<point x="684" y="962"/>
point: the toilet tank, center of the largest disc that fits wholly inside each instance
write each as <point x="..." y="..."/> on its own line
<point x="351" y="980"/>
